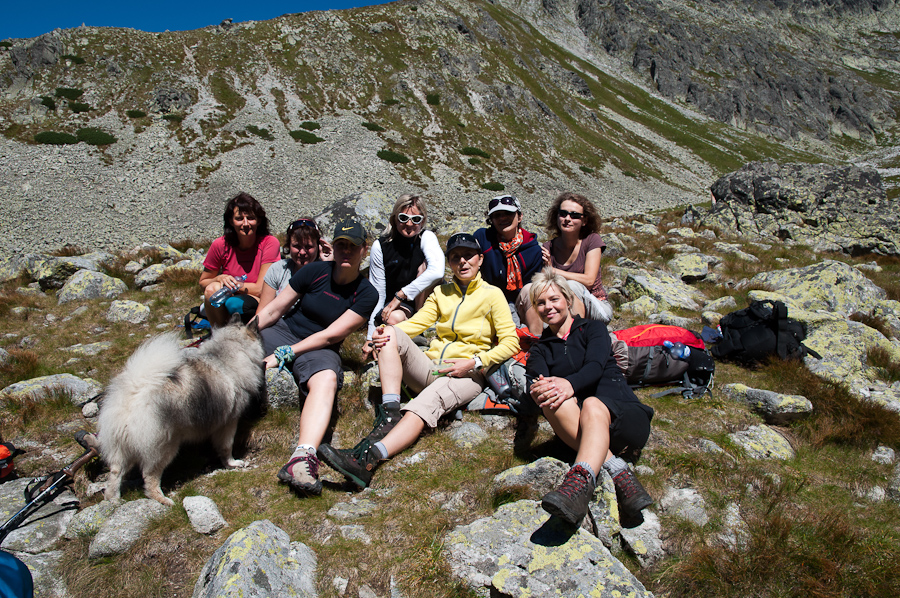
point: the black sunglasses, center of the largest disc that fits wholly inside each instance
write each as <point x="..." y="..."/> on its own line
<point x="404" y="218"/>
<point x="507" y="200"/>
<point x="572" y="215"/>
<point x="303" y="222"/>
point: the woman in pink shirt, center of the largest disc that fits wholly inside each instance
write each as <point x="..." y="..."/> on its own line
<point x="246" y="249"/>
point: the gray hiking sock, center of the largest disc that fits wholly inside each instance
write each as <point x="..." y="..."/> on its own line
<point x="389" y="398"/>
<point x="589" y="469"/>
<point x="614" y="466"/>
<point x="380" y="451"/>
<point x="302" y="450"/>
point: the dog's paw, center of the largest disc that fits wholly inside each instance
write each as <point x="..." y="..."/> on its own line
<point x="235" y="463"/>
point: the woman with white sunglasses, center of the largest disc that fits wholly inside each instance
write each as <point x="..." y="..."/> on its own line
<point x="405" y="266"/>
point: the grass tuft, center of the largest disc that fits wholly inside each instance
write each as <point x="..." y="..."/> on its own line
<point x="74" y="59"/>
<point x="135" y="113"/>
<point x="310" y="125"/>
<point x="94" y="136"/>
<point x="79" y="107"/>
<point x="493" y="186"/>
<point x="373" y="127"/>
<point x="391" y="156"/>
<point x="433" y="99"/>
<point x="173" y="118"/>
<point x="55" y="138"/>
<point x="263" y="133"/>
<point x="881" y="358"/>
<point x="305" y="136"/>
<point x="70" y="93"/>
<point x="474" y="151"/>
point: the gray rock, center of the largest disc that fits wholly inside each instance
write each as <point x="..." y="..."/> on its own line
<point x="644" y="306"/>
<point x="520" y="551"/>
<point x="540" y="476"/>
<point x="88" y="350"/>
<point x="282" y="389"/>
<point x="84" y="285"/>
<point x="79" y="390"/>
<point x="644" y="540"/>
<point x="4" y="356"/>
<point x="131" y="312"/>
<point x="735" y="534"/>
<point x="88" y="521"/>
<point x="355" y="532"/>
<point x="776" y="408"/>
<point x="203" y="514"/>
<point x="44" y="527"/>
<point x="356" y="508"/>
<point x="90" y="410"/>
<point x="664" y="288"/>
<point x="708" y="446"/>
<point x="45" y="573"/>
<point x="722" y="304"/>
<point x="258" y="560"/>
<point x="468" y="435"/>
<point x="149" y="275"/>
<point x="124" y="528"/>
<point x="53" y="272"/>
<point x="762" y="442"/>
<point x="884" y="455"/>
<point x="689" y="267"/>
<point x="685" y="503"/>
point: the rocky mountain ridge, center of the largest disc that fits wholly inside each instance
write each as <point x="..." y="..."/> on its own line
<point x="639" y="106"/>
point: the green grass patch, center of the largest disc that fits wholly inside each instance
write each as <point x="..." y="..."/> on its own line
<point x="586" y="169"/>
<point x="263" y="133"/>
<point x="305" y="136"/>
<point x="73" y="58"/>
<point x="373" y="127"/>
<point x="391" y="102"/>
<point x="225" y="94"/>
<point x="49" y="102"/>
<point x="474" y="161"/>
<point x="5" y="44"/>
<point x="310" y="125"/>
<point x="135" y="113"/>
<point x="55" y="138"/>
<point x="433" y="99"/>
<point x="78" y="107"/>
<point x="173" y="118"/>
<point x="95" y="136"/>
<point x="70" y="93"/>
<point x="493" y="186"/>
<point x="392" y="156"/>
<point x="474" y="151"/>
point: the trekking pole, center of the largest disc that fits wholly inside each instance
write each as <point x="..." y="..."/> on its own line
<point x="46" y="486"/>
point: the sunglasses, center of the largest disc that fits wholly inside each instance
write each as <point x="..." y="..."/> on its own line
<point x="308" y="222"/>
<point x="404" y="218"/>
<point x="572" y="215"/>
<point x="507" y="200"/>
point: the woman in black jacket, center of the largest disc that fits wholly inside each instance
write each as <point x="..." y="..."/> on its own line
<point x="583" y="394"/>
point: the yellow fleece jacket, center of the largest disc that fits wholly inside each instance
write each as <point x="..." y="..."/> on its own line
<point x="477" y="323"/>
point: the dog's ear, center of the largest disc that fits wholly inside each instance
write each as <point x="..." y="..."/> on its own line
<point x="235" y="319"/>
<point x="253" y="326"/>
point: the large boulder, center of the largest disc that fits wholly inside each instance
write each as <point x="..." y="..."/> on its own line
<point x="85" y="284"/>
<point x="40" y="531"/>
<point x="828" y="207"/>
<point x="36" y="389"/>
<point x="125" y="527"/>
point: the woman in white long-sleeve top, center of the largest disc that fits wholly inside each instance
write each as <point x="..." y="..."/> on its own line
<point x="405" y="265"/>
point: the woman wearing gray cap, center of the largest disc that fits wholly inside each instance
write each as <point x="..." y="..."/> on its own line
<point x="333" y="299"/>
<point x="474" y="332"/>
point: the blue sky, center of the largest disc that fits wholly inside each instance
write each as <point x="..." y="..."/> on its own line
<point x="30" y="18"/>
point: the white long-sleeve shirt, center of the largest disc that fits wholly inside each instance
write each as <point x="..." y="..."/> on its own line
<point x="434" y="271"/>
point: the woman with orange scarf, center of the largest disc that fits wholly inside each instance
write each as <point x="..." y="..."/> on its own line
<point x="512" y="255"/>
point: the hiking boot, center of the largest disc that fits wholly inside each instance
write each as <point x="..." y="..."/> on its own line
<point x="302" y="474"/>
<point x="386" y="417"/>
<point x="631" y="495"/>
<point x="570" y="501"/>
<point x="357" y="465"/>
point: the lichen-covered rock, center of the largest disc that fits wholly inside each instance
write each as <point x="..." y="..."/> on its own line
<point x="735" y="534"/>
<point x="644" y="306"/>
<point x="685" y="503"/>
<point x="89" y="520"/>
<point x="668" y="290"/>
<point x="84" y="285"/>
<point x="124" y="528"/>
<point x="11" y="265"/>
<point x="44" y="527"/>
<point x="468" y="435"/>
<point x="736" y="250"/>
<point x="519" y="551"/>
<point x="282" y="389"/>
<point x="88" y="350"/>
<point x="540" y="476"/>
<point x="603" y="510"/>
<point x="830" y="286"/>
<point x="128" y="311"/>
<point x="762" y="442"/>
<point x="644" y="540"/>
<point x="45" y="573"/>
<point x="149" y="275"/>
<point x="53" y="272"/>
<point x="258" y="560"/>
<point x="356" y="508"/>
<point x="722" y="304"/>
<point x="689" y="267"/>
<point x="776" y="408"/>
<point x="36" y="389"/>
<point x="203" y="514"/>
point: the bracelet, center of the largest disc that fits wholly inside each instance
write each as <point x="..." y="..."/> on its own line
<point x="398" y="297"/>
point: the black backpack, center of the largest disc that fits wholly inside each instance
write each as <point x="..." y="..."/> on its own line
<point x="763" y="329"/>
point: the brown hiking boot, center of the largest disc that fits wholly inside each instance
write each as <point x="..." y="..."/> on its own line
<point x="631" y="495"/>
<point x="570" y="501"/>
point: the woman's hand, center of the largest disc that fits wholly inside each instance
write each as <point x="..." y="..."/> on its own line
<point x="229" y="281"/>
<point x="389" y="308"/>
<point x="380" y="338"/>
<point x="551" y="392"/>
<point x="270" y="362"/>
<point x="326" y="251"/>
<point x="545" y="253"/>
<point x="458" y="368"/>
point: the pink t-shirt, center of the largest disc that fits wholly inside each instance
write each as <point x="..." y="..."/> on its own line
<point x="592" y="241"/>
<point x="225" y="259"/>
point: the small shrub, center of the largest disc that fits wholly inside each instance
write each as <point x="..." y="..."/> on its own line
<point x="394" y="157"/>
<point x="474" y="161"/>
<point x="871" y="321"/>
<point x="433" y="99"/>
<point x="75" y="59"/>
<point x="21" y="365"/>
<point x="629" y="173"/>
<point x="264" y="133"/>
<point x="492" y="186"/>
<point x="391" y="102"/>
<point x="310" y="126"/>
<point x="135" y="113"/>
<point x="5" y="44"/>
<point x="70" y="93"/>
<point x="880" y="358"/>
<point x="173" y="118"/>
<point x="79" y="107"/>
<point x="586" y="169"/>
<point x="373" y="127"/>
<point x="55" y="138"/>
<point x="305" y="136"/>
<point x="474" y="151"/>
<point x="94" y="136"/>
<point x="49" y="102"/>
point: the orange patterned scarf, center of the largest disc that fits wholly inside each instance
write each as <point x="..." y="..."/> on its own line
<point x="513" y="270"/>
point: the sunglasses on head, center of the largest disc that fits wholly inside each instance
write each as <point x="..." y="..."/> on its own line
<point x="507" y="200"/>
<point x="303" y="222"/>
<point x="404" y="218"/>
<point x="572" y="215"/>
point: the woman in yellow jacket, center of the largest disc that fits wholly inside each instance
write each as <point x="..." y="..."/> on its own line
<point x="474" y="332"/>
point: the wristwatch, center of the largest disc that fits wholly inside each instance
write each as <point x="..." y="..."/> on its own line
<point x="478" y="364"/>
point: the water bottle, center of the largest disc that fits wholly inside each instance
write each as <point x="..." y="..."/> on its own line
<point x="678" y="350"/>
<point x="218" y="298"/>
